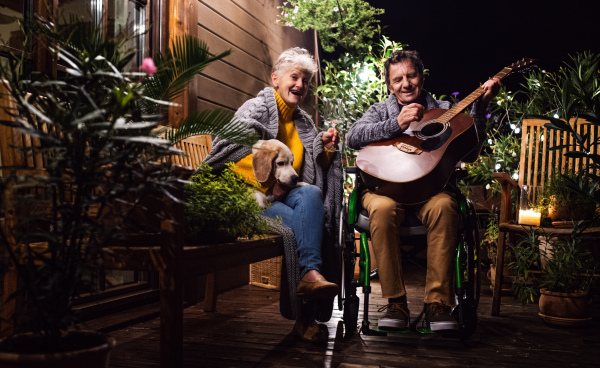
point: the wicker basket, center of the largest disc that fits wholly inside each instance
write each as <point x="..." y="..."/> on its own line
<point x="267" y="273"/>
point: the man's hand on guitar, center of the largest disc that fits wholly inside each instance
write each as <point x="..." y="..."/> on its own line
<point x="410" y="113"/>
<point x="491" y="88"/>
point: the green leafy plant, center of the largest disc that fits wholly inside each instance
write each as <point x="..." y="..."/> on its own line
<point x="526" y="257"/>
<point x="221" y="207"/>
<point x="566" y="264"/>
<point x="569" y="264"/>
<point x="94" y="130"/>
<point x="350" y="85"/>
<point x="347" y="23"/>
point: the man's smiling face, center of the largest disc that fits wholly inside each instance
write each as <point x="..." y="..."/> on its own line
<point x="405" y="82"/>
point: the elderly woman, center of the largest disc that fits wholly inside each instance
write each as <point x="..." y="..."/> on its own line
<point x="308" y="213"/>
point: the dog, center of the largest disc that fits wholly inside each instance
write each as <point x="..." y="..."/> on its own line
<point x="272" y="161"/>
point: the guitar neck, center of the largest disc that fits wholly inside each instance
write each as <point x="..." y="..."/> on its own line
<point x="459" y="107"/>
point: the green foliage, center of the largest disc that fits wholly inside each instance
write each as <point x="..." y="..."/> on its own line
<point x="570" y="265"/>
<point x="351" y="84"/>
<point x="221" y="207"/>
<point x="347" y="23"/>
<point x="526" y="257"/>
<point x="93" y="126"/>
<point x="97" y="144"/>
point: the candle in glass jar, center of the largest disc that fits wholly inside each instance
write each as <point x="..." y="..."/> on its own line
<point x="529" y="217"/>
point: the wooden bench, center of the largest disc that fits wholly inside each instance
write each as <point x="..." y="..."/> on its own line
<point x="177" y="261"/>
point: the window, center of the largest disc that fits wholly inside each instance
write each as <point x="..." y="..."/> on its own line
<point x="10" y="31"/>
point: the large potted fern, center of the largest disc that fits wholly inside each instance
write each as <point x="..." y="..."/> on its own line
<point x="95" y="127"/>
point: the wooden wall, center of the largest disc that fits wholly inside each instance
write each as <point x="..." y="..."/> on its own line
<point x="248" y="28"/>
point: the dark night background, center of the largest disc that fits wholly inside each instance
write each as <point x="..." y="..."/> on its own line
<point x="463" y="43"/>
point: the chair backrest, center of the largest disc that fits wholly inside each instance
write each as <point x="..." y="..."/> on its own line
<point x="537" y="162"/>
<point x="196" y="149"/>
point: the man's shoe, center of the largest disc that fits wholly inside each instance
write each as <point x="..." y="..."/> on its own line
<point x="396" y="317"/>
<point x="439" y="317"/>
<point x="320" y="289"/>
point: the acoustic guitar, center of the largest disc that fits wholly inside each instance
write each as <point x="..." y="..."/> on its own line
<point x="417" y="165"/>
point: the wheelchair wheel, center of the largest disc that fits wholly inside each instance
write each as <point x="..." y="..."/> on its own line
<point x="467" y="303"/>
<point x="351" y="305"/>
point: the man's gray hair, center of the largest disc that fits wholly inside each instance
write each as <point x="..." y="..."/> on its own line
<point x="295" y="57"/>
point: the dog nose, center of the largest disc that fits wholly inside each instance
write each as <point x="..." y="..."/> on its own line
<point x="295" y="179"/>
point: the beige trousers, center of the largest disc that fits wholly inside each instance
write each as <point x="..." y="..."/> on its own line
<point x="440" y="215"/>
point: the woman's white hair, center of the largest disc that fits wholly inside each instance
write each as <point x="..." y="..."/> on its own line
<point x="295" y="57"/>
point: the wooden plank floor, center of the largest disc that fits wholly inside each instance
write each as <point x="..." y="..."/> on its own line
<point x="248" y="331"/>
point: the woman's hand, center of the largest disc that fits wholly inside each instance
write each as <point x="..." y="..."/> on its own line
<point x="331" y="139"/>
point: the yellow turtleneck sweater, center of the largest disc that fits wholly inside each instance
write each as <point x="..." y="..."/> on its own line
<point x="287" y="134"/>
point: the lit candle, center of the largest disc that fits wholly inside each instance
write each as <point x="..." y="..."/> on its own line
<point x="529" y="217"/>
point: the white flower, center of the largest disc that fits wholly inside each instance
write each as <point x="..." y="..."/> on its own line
<point x="498" y="166"/>
<point x="487" y="186"/>
<point x="514" y="154"/>
<point x="335" y="8"/>
<point x="556" y="116"/>
<point x="517" y="130"/>
<point x="295" y="10"/>
<point x="490" y="141"/>
<point x="512" y="126"/>
<point x="286" y="15"/>
<point x="516" y="176"/>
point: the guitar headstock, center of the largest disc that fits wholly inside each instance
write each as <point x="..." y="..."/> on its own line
<point x="523" y="64"/>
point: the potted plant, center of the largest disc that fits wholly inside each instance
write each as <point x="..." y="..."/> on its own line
<point x="95" y="127"/>
<point x="567" y="275"/>
<point x="564" y="280"/>
<point x="564" y="204"/>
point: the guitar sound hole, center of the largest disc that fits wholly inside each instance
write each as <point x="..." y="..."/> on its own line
<point x="432" y="129"/>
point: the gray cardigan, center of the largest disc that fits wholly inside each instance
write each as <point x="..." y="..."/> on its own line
<point x="380" y="123"/>
<point x="261" y="115"/>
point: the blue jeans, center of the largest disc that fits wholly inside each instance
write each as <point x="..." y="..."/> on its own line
<point x="302" y="211"/>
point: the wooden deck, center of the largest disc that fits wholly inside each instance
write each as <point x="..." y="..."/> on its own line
<point x="248" y="331"/>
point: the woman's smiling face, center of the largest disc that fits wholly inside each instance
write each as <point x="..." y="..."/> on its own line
<point x="292" y="86"/>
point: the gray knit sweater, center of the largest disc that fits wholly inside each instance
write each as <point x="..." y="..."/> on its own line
<point x="261" y="115"/>
<point x="380" y="123"/>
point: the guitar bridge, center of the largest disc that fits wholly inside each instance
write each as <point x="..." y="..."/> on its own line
<point x="405" y="147"/>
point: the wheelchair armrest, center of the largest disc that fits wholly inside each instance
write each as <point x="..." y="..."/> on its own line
<point x="351" y="169"/>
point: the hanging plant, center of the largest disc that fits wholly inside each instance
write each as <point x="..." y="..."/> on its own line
<point x="347" y="23"/>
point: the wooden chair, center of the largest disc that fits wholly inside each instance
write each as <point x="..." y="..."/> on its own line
<point x="536" y="166"/>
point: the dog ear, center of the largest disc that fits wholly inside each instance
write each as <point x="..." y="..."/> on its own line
<point x="262" y="163"/>
<point x="256" y="146"/>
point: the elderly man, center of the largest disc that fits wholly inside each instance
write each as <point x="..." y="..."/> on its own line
<point x="386" y="120"/>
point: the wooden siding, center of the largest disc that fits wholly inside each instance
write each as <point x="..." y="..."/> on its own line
<point x="248" y="28"/>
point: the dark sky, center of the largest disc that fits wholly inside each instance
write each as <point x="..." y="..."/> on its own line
<point x="463" y="43"/>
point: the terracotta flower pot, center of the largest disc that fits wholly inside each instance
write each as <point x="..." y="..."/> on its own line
<point x="92" y="357"/>
<point x="564" y="309"/>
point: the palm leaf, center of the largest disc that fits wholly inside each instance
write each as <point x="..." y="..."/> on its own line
<point x="216" y="122"/>
<point x="187" y="57"/>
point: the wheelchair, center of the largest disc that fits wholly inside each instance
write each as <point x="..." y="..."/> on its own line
<point x="466" y="263"/>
